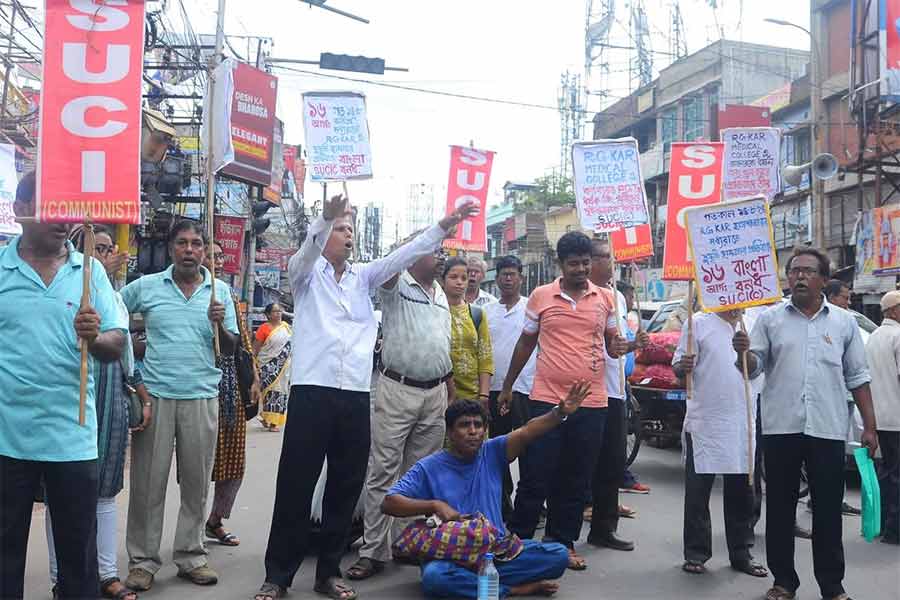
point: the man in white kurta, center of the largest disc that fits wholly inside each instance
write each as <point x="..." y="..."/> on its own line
<point x="715" y="443"/>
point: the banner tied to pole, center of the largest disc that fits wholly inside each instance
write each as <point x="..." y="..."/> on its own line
<point x="695" y="179"/>
<point x="90" y="125"/>
<point x="609" y="188"/>
<point x="734" y="258"/>
<point x="337" y="136"/>
<point x="470" y="175"/>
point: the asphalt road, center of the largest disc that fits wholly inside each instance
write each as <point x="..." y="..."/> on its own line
<point x="651" y="571"/>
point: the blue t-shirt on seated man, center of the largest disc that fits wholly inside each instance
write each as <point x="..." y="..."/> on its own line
<point x="468" y="478"/>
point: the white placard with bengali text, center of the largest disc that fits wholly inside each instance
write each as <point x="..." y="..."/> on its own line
<point x="734" y="258"/>
<point x="609" y="188"/>
<point x="337" y="136"/>
<point x="8" y="183"/>
<point x="752" y="162"/>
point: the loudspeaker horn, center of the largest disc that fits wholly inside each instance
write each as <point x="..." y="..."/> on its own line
<point x="824" y="166"/>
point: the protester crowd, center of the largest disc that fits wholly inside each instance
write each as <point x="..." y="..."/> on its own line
<point x="464" y="385"/>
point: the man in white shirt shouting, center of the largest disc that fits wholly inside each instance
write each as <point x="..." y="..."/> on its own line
<point x="330" y="381"/>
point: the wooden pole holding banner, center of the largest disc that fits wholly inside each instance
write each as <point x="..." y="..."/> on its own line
<point x="210" y="169"/>
<point x="635" y="275"/>
<point x="612" y="259"/>
<point x="689" y="380"/>
<point x="85" y="303"/>
<point x="749" y="401"/>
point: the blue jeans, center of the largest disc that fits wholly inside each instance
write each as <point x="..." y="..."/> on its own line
<point x="558" y="467"/>
<point x="537" y="562"/>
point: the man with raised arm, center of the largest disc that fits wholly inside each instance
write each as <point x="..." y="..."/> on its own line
<point x="330" y="381"/>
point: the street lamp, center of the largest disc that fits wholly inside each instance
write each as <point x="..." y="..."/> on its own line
<point x="815" y="111"/>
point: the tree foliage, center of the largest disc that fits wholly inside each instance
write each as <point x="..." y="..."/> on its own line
<point x="552" y="190"/>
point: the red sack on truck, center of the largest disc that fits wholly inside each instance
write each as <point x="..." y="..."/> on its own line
<point x="637" y="374"/>
<point x="660" y="350"/>
<point x="658" y="376"/>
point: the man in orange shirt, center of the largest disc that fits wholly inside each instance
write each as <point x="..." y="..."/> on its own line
<point x="573" y="321"/>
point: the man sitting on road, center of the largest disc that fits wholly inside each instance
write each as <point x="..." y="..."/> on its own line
<point x="468" y="478"/>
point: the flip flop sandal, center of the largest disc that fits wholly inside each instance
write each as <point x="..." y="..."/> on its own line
<point x="123" y="594"/>
<point x="576" y="563"/>
<point x="226" y="539"/>
<point x="693" y="567"/>
<point x="751" y="568"/>
<point x="364" y="568"/>
<point x="270" y="591"/>
<point x="336" y="589"/>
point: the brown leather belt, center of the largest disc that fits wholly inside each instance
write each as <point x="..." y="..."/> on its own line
<point x="404" y="380"/>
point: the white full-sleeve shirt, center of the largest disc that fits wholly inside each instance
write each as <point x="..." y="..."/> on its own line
<point x="334" y="323"/>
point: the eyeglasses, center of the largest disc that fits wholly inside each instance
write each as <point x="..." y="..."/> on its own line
<point x="805" y="271"/>
<point x="440" y="253"/>
<point x="103" y="249"/>
<point x="219" y="256"/>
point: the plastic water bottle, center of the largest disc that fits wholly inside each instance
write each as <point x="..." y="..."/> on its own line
<point x="488" y="579"/>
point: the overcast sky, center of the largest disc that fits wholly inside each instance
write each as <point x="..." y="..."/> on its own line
<point x="504" y="49"/>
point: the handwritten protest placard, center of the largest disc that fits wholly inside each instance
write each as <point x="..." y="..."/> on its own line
<point x="609" y="188"/>
<point x="752" y="162"/>
<point x="337" y="136"/>
<point x="8" y="183"/>
<point x="735" y="265"/>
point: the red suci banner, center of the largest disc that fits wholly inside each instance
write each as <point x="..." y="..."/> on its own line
<point x="90" y="125"/>
<point x="229" y="234"/>
<point x="631" y="243"/>
<point x="695" y="179"/>
<point x="252" y="125"/>
<point x="470" y="174"/>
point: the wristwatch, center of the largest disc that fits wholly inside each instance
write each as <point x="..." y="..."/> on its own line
<point x="556" y="411"/>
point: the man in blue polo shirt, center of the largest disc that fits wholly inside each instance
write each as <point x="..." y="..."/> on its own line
<point x="180" y="373"/>
<point x="40" y="295"/>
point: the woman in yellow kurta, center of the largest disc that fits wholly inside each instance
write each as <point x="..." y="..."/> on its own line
<point x="470" y="347"/>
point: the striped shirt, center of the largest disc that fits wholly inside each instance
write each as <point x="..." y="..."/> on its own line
<point x="415" y="329"/>
<point x="180" y="362"/>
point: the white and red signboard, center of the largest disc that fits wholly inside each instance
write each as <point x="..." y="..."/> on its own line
<point x="90" y="123"/>
<point x="229" y="235"/>
<point x="470" y="175"/>
<point x="631" y="243"/>
<point x="695" y="179"/>
<point x="752" y="164"/>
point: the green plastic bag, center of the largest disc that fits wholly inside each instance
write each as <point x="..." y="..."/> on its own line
<point x="871" y="495"/>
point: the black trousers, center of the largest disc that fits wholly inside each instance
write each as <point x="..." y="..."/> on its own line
<point x="889" y="481"/>
<point x="322" y="422"/>
<point x="71" y="497"/>
<point x="738" y="508"/>
<point x="609" y="471"/>
<point x="557" y="467"/>
<point x="502" y="425"/>
<point x="824" y="459"/>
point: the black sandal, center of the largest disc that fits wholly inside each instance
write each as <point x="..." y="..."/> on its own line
<point x="122" y="594"/>
<point x="336" y="589"/>
<point x="270" y="591"/>
<point x="364" y="568"/>
<point x="226" y="539"/>
<point x="750" y="568"/>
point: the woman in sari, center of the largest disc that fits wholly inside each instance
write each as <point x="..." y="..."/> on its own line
<point x="273" y="351"/>
<point x="231" y="440"/>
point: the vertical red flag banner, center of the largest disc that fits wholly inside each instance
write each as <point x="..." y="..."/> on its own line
<point x="470" y="175"/>
<point x="229" y="234"/>
<point x="631" y="243"/>
<point x="90" y="122"/>
<point x="252" y="125"/>
<point x="272" y="193"/>
<point x="695" y="179"/>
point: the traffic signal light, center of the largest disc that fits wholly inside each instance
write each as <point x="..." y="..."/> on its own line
<point x="357" y="64"/>
<point x="260" y="224"/>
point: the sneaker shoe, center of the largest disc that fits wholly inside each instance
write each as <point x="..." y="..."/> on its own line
<point x="139" y="580"/>
<point x="636" y="488"/>
<point x="200" y="575"/>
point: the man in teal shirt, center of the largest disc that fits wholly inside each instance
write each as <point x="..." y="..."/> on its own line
<point x="181" y="375"/>
<point x="40" y="295"/>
